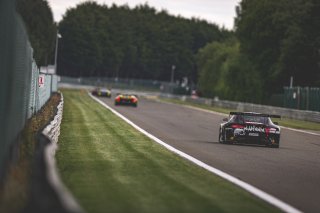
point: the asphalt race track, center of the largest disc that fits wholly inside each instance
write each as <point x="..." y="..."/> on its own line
<point x="290" y="173"/>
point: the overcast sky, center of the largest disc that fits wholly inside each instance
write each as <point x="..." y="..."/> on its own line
<point x="221" y="12"/>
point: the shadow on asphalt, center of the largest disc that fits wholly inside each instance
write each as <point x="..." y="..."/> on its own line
<point x="236" y="144"/>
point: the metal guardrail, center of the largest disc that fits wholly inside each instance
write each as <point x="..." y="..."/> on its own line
<point x="119" y="83"/>
<point x="240" y="106"/>
<point x="313" y="116"/>
<point x="52" y="132"/>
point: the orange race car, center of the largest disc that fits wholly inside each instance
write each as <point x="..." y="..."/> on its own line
<point x="126" y="99"/>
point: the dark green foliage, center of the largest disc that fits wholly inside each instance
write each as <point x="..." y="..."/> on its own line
<point x="278" y="39"/>
<point x="41" y="28"/>
<point x="227" y="74"/>
<point x="131" y="43"/>
<point x="282" y="39"/>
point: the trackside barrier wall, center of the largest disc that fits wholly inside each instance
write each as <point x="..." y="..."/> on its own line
<point x="20" y="94"/>
<point x="34" y="89"/>
<point x="45" y="91"/>
<point x="54" y="83"/>
<point x="133" y="84"/>
<point x="52" y="132"/>
<point x="232" y="105"/>
<point x="304" y="98"/>
<point x="239" y="106"/>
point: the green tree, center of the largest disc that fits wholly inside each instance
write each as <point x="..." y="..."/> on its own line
<point x="281" y="39"/>
<point x="41" y="28"/>
<point x="141" y="42"/>
<point x="226" y="73"/>
<point x="80" y="49"/>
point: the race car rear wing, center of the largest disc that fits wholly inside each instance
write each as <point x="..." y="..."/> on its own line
<point x="126" y="94"/>
<point x="255" y="114"/>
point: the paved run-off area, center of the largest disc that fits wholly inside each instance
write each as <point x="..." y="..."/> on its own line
<point x="110" y="167"/>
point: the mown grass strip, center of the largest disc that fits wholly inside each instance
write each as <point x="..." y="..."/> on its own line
<point x="292" y="123"/>
<point x="110" y="167"/>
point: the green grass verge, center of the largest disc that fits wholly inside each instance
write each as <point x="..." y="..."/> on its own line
<point x="298" y="124"/>
<point x="292" y="123"/>
<point x="111" y="167"/>
<point x="202" y="106"/>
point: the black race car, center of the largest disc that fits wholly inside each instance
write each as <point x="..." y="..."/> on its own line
<point x="126" y="99"/>
<point x="250" y="128"/>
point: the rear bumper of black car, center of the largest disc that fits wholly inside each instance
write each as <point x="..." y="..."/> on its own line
<point x="256" y="140"/>
<point x="259" y="138"/>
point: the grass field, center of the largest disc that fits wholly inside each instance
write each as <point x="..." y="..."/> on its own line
<point x="292" y="123"/>
<point x="110" y="167"/>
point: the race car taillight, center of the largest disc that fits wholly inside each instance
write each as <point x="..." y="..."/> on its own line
<point x="270" y="130"/>
<point x="237" y="126"/>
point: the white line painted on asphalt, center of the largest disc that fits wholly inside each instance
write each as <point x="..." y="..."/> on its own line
<point x="224" y="114"/>
<point x="253" y="190"/>
<point x="299" y="130"/>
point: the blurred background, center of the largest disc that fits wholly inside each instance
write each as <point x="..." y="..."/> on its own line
<point x="270" y="56"/>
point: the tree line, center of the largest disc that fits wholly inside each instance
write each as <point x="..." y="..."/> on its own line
<point x="41" y="28"/>
<point x="140" y="42"/>
<point x="272" y="41"/>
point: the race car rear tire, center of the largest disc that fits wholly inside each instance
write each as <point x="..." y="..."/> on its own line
<point x="221" y="139"/>
<point x="274" y="144"/>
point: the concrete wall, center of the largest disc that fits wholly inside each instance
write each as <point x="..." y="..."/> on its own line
<point x="247" y="107"/>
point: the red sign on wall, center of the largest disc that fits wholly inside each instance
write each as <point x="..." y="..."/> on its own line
<point x="41" y="80"/>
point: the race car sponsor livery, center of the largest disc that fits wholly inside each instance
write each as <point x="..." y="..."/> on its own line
<point x="250" y="128"/>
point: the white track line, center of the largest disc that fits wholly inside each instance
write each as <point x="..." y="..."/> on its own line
<point x="253" y="190"/>
<point x="302" y="131"/>
<point x="224" y="114"/>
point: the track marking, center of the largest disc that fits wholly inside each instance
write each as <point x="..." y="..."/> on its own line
<point x="224" y="114"/>
<point x="253" y="190"/>
<point x="299" y="130"/>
